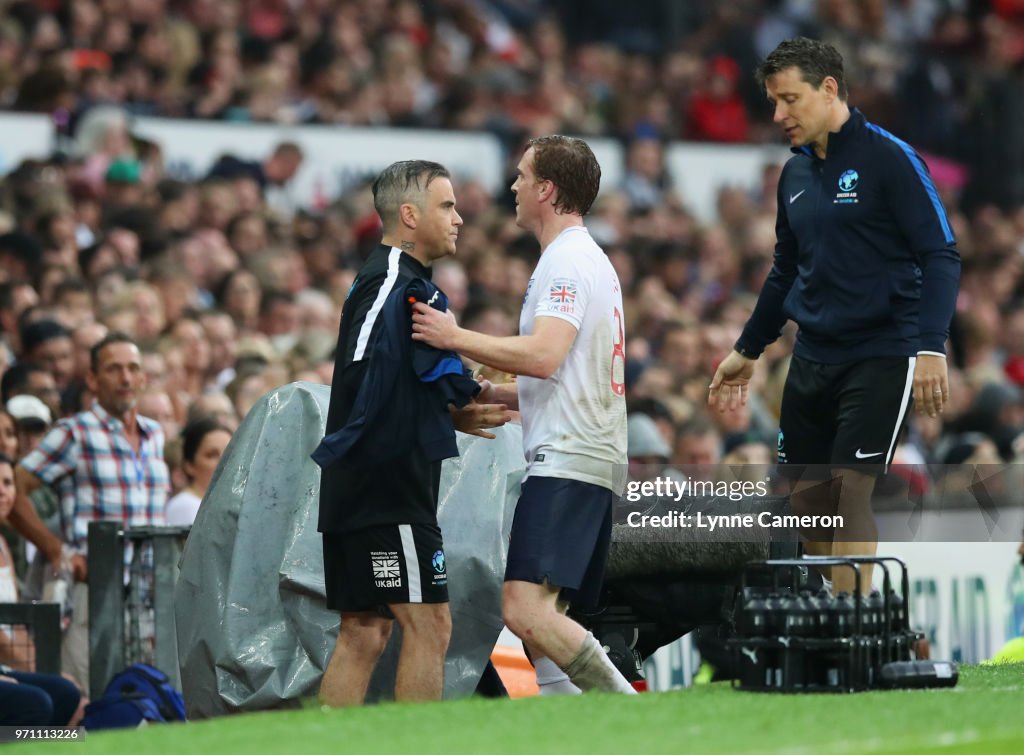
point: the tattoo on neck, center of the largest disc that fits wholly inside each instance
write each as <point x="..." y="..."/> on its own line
<point x="408" y="247"/>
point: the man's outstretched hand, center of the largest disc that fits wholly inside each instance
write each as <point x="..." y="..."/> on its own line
<point x="728" y="388"/>
<point x="476" y="419"/>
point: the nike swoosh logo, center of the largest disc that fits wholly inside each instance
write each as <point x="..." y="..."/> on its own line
<point x="794" y="197"/>
<point x="861" y="455"/>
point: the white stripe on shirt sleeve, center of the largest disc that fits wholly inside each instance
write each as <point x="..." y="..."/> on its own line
<point x="378" y="304"/>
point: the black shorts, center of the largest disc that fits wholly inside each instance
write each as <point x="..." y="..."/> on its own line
<point x="560" y="534"/>
<point x="371" y="568"/>
<point x="843" y="415"/>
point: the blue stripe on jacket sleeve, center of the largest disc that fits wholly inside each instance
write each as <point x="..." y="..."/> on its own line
<point x="922" y="173"/>
<point x="445" y="366"/>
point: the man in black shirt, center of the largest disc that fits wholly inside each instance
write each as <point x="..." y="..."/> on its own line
<point x="383" y="553"/>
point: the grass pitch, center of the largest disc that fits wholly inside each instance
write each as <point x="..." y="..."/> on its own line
<point x="984" y="713"/>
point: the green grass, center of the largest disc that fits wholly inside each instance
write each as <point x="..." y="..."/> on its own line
<point x="984" y="713"/>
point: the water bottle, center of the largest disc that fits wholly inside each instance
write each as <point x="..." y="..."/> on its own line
<point x="799" y="617"/>
<point x="754" y="672"/>
<point x="873" y="608"/>
<point x="775" y="616"/>
<point x="898" y="616"/>
<point x="830" y="669"/>
<point x="824" y="601"/>
<point x="842" y="616"/>
<point x="753" y="621"/>
<point x="899" y="641"/>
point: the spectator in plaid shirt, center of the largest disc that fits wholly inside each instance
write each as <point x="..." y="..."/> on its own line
<point x="105" y="463"/>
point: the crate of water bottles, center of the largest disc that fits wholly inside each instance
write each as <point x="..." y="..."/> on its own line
<point x="790" y="638"/>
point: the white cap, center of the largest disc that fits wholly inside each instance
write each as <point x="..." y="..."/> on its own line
<point x="24" y="406"/>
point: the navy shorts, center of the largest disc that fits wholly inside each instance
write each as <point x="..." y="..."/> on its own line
<point x="560" y="534"/>
<point x="371" y="568"/>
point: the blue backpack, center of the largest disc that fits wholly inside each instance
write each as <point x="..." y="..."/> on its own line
<point x="137" y="694"/>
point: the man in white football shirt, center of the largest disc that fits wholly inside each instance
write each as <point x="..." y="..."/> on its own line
<point x="570" y="359"/>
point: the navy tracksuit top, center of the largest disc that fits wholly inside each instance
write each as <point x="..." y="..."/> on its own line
<point x="402" y="402"/>
<point x="865" y="259"/>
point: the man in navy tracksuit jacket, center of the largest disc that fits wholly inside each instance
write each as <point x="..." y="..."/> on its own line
<point x="866" y="265"/>
<point x="402" y="404"/>
<point x="386" y="434"/>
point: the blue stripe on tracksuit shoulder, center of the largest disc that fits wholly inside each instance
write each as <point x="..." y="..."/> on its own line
<point x="922" y="173"/>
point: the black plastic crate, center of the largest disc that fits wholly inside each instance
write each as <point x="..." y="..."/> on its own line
<point x="789" y="639"/>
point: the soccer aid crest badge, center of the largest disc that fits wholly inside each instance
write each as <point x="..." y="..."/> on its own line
<point x="438" y="561"/>
<point x="439" y="577"/>
<point x="847" y="183"/>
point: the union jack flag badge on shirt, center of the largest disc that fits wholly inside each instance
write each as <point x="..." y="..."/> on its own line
<point x="562" y="292"/>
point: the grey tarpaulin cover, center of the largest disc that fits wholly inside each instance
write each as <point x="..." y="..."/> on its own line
<point x="253" y="631"/>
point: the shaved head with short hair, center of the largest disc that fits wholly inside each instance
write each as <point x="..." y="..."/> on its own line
<point x="401" y="183"/>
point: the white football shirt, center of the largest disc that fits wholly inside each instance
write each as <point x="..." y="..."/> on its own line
<point x="574" y="423"/>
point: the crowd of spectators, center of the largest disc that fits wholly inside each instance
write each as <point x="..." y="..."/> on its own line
<point x="228" y="297"/>
<point x="945" y="74"/>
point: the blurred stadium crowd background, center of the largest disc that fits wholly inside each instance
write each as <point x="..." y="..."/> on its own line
<point x="230" y="296"/>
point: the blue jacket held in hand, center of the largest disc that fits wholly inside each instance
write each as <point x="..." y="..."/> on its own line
<point x="402" y="403"/>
